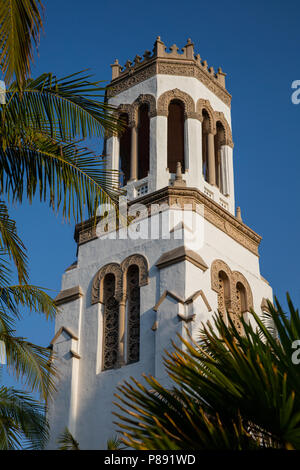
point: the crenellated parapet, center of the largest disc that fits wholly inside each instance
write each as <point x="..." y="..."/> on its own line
<point x="168" y="62"/>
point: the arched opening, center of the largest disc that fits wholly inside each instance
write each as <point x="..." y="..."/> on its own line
<point x="125" y="151"/>
<point x="111" y="323"/>
<point x="224" y="297"/>
<point x="143" y="140"/>
<point x="176" y="135"/>
<point x="241" y="306"/>
<point x="219" y="140"/>
<point x="133" y="314"/>
<point x="205" y="131"/>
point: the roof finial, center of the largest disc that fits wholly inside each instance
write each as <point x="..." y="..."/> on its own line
<point x="239" y="214"/>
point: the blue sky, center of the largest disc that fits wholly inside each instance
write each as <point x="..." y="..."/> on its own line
<point x="257" y="44"/>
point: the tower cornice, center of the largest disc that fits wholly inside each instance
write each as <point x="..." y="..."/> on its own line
<point x="175" y="196"/>
<point x="168" y="63"/>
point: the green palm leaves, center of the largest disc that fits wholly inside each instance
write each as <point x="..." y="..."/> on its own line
<point x="229" y="391"/>
<point x="20" y="24"/>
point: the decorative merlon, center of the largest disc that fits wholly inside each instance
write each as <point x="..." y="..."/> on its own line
<point x="68" y="295"/>
<point x="181" y="254"/>
<point x="172" y="62"/>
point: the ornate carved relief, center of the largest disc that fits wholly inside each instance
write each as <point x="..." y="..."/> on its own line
<point x="97" y="286"/>
<point x="111" y="323"/>
<point x="150" y="100"/>
<point x="112" y="285"/>
<point x="239" y="277"/>
<point x="205" y="104"/>
<point x="234" y="299"/>
<point x="176" y="94"/>
<point x="141" y="262"/>
<point x="133" y="323"/>
<point x="160" y="66"/>
<point x="219" y="116"/>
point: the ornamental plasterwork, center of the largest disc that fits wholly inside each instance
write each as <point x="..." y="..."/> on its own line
<point x="235" y="278"/>
<point x="150" y="100"/>
<point x="176" y="94"/>
<point x="98" y="281"/>
<point x="205" y="105"/>
<point x="120" y="272"/>
<point x="219" y="116"/>
<point x="213" y="213"/>
<point x="168" y="68"/>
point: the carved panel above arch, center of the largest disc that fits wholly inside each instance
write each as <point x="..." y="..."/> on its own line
<point x="176" y="94"/>
<point x="97" y="287"/>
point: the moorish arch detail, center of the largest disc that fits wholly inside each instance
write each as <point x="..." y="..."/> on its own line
<point x="234" y="293"/>
<point x="142" y="99"/>
<point x="206" y="106"/>
<point x="141" y="262"/>
<point x="239" y="278"/>
<point x="117" y="286"/>
<point x="219" y="117"/>
<point x="97" y="286"/>
<point x="165" y="99"/>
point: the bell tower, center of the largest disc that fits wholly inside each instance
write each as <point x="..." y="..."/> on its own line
<point x="186" y="254"/>
<point x="177" y="110"/>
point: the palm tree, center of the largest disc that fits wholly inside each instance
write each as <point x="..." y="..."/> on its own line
<point x="44" y="122"/>
<point x="43" y="125"/>
<point x="229" y="391"/>
<point x="66" y="441"/>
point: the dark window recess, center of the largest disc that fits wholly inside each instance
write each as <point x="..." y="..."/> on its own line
<point x="125" y="152"/>
<point x="175" y="136"/>
<point x="143" y="141"/>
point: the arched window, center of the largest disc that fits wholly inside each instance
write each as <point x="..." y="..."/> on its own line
<point x="241" y="306"/>
<point x="219" y="140"/>
<point x="224" y="297"/>
<point x="133" y="314"/>
<point x="205" y="130"/>
<point x="111" y="323"/>
<point x="125" y="151"/>
<point x="175" y="136"/>
<point x="143" y="140"/>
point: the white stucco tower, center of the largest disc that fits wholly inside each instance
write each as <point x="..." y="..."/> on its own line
<point x="186" y="254"/>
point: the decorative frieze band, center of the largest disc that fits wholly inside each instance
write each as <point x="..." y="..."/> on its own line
<point x="213" y="213"/>
<point x="168" y="67"/>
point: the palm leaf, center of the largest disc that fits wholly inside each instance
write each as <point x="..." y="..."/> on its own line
<point x="20" y="24"/>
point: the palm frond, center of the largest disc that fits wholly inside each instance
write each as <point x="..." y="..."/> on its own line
<point x="20" y="25"/>
<point x="11" y="243"/>
<point x="67" y="442"/>
<point x="21" y="418"/>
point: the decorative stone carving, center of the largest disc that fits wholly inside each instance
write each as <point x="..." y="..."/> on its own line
<point x="97" y="287"/>
<point x="133" y="325"/>
<point x="217" y="266"/>
<point x="219" y="116"/>
<point x="150" y="100"/>
<point x="141" y="262"/>
<point x="205" y="104"/>
<point x="239" y="277"/>
<point x="231" y="302"/>
<point x="176" y="94"/>
<point x="111" y="323"/>
<point x="213" y="212"/>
